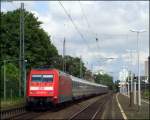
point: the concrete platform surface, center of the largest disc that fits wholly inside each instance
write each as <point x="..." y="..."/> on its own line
<point x="118" y="108"/>
<point x="134" y="112"/>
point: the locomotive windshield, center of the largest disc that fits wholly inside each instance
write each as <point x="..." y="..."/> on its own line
<point x="42" y="78"/>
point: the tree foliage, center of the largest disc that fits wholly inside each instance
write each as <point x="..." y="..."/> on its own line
<point x="39" y="51"/>
<point x="11" y="79"/>
<point x="38" y="47"/>
<point x="104" y="79"/>
<point x="116" y="86"/>
<point x="73" y="66"/>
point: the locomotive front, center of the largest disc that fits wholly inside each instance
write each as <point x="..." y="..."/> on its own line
<point x="42" y="87"/>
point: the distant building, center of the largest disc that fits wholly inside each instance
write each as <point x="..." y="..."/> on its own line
<point x="100" y="72"/>
<point x="88" y="76"/>
<point x="123" y="74"/>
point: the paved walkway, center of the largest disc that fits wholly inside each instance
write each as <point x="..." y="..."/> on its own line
<point x="118" y="108"/>
<point x="134" y="112"/>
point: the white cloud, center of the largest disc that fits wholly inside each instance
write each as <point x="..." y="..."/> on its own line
<point x="132" y="58"/>
<point x="111" y="21"/>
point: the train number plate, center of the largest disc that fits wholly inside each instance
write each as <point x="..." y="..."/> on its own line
<point x="41" y="88"/>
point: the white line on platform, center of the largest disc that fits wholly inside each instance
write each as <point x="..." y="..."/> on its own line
<point x="122" y="112"/>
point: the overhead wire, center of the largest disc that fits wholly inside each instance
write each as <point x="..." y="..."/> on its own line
<point x="86" y="18"/>
<point x="89" y="25"/>
<point x="75" y="26"/>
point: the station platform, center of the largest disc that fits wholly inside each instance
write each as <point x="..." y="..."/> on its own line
<point x="118" y="108"/>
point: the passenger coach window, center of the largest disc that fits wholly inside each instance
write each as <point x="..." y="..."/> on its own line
<point x="42" y="78"/>
<point x="47" y="78"/>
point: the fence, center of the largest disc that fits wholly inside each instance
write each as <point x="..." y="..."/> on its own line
<point x="12" y="87"/>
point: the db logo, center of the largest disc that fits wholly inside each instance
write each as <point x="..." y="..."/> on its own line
<point x="41" y="88"/>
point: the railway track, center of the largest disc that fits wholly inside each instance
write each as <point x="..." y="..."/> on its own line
<point x="19" y="113"/>
<point x="27" y="116"/>
<point x="10" y="113"/>
<point x="92" y="111"/>
<point x="89" y="112"/>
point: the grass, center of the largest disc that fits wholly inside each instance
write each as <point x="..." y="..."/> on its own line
<point x="11" y="103"/>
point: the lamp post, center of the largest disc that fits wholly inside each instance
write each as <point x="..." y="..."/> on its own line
<point x="138" y="56"/>
<point x="25" y="78"/>
<point x="81" y="67"/>
<point x="131" y="75"/>
<point x="133" y="84"/>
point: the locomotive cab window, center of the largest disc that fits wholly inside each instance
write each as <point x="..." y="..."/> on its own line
<point x="42" y="78"/>
<point x="47" y="78"/>
<point x="37" y="78"/>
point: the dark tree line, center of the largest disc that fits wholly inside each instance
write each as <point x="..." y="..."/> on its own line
<point x="39" y="51"/>
<point x="104" y="79"/>
<point x="38" y="47"/>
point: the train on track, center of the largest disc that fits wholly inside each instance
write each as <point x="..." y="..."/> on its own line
<point x="51" y="86"/>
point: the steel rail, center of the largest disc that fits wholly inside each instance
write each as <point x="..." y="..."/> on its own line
<point x="89" y="105"/>
<point x="100" y="108"/>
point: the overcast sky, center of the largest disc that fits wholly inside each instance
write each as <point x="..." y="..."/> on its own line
<point x="110" y="22"/>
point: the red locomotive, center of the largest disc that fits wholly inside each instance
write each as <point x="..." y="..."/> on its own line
<point x="51" y="86"/>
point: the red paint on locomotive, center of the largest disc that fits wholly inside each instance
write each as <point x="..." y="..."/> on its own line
<point x="58" y="86"/>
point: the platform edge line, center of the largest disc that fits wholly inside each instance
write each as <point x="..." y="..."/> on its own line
<point x="122" y="112"/>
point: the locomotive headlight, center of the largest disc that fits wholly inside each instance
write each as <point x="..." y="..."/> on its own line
<point x="55" y="97"/>
<point x="32" y="92"/>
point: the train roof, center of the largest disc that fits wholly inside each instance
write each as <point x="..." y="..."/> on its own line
<point x="73" y="78"/>
<point x="86" y="82"/>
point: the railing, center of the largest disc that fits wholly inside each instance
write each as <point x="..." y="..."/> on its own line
<point x="7" y="114"/>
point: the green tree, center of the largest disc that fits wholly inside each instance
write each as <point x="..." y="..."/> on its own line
<point x="38" y="47"/>
<point x="116" y="86"/>
<point x="12" y="80"/>
<point x="104" y="79"/>
<point x="73" y="66"/>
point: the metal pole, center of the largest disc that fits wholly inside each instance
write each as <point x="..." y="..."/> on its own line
<point x="123" y="90"/>
<point x="25" y="79"/>
<point x="23" y="49"/>
<point x="138" y="56"/>
<point x="128" y="89"/>
<point x="131" y="91"/>
<point x="149" y="61"/>
<point x="11" y="94"/>
<point x="80" y="67"/>
<point x="4" y="81"/>
<point x="139" y="81"/>
<point x="131" y="82"/>
<point x="131" y="72"/>
<point x="22" y="67"/>
<point x="149" y="66"/>
<point x="64" y="54"/>
<point x="91" y="67"/>
<point x="20" y="54"/>
<point x="135" y="93"/>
